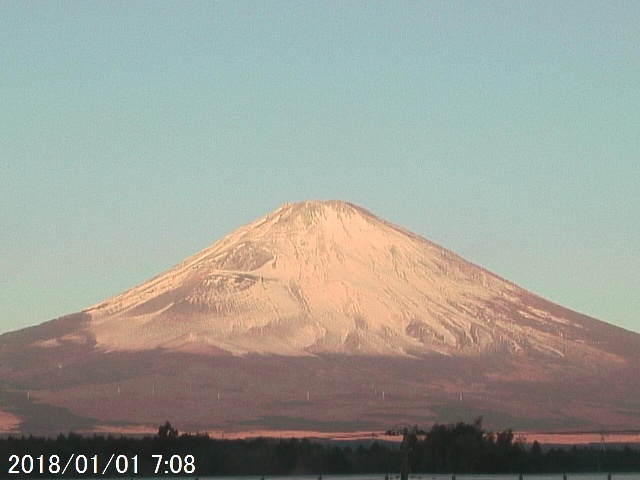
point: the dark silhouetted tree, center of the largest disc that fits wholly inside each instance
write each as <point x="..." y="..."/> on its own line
<point x="167" y="431"/>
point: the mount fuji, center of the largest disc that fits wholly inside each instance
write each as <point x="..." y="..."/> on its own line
<point x="321" y="316"/>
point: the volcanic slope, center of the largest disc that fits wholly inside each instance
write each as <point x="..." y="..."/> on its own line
<point x="336" y="291"/>
<point x="329" y="277"/>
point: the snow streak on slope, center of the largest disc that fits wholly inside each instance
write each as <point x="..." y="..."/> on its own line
<point x="329" y="277"/>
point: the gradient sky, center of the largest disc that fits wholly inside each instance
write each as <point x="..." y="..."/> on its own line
<point x="134" y="134"/>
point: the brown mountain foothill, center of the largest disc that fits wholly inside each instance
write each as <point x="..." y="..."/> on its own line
<point x="323" y="317"/>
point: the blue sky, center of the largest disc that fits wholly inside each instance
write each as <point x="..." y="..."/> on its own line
<point x="133" y="134"/>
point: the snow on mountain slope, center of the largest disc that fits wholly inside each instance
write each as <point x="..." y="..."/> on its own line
<point x="330" y="277"/>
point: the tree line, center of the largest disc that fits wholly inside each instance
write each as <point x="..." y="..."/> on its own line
<point x="454" y="448"/>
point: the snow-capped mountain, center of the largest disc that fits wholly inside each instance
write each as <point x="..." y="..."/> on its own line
<point x="324" y="300"/>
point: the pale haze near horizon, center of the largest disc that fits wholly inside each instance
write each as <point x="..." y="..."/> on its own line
<point x="134" y="134"/>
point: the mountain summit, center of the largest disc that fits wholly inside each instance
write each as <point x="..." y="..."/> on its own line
<point x="326" y="297"/>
